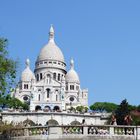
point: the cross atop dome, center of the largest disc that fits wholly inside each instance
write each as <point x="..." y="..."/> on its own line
<point x="51" y="33"/>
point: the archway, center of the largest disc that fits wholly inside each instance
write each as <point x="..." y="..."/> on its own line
<point x="56" y="108"/>
<point x="47" y="108"/>
<point x="28" y="122"/>
<point x="38" y="107"/>
<point x="52" y="122"/>
<point x="75" y="123"/>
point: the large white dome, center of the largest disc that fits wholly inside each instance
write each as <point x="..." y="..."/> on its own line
<point x="51" y="51"/>
<point x="27" y="75"/>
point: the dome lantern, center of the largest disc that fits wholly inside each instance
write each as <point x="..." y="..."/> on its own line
<point x="51" y="34"/>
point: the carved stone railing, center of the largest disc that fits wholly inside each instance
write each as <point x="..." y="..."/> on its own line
<point x="132" y="132"/>
<point x="124" y="130"/>
<point x="78" y="130"/>
<point x="25" y="131"/>
<point x="98" y="130"/>
<point x="72" y="130"/>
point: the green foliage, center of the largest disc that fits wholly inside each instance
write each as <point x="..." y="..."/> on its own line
<point x="122" y="111"/>
<point x="7" y="68"/>
<point x="82" y="109"/>
<point x="138" y="108"/>
<point x="101" y="106"/>
<point x="72" y="109"/>
<point x="12" y="102"/>
<point x="136" y="120"/>
<point x="132" y="107"/>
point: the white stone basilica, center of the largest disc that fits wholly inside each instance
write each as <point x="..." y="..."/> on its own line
<point x="51" y="86"/>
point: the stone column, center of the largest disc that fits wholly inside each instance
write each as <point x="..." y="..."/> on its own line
<point x="111" y="130"/>
<point x="85" y="130"/>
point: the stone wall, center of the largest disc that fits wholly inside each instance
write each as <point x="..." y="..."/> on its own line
<point x="61" y="118"/>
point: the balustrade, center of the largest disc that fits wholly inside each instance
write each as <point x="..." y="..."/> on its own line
<point x="92" y="130"/>
<point x="124" y="130"/>
<point x="98" y="130"/>
<point x="72" y="130"/>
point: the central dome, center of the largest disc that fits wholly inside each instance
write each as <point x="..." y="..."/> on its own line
<point x="51" y="51"/>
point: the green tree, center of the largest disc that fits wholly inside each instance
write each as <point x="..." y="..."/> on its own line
<point x="138" y="108"/>
<point x="122" y="111"/>
<point x="82" y="109"/>
<point x="7" y="68"/>
<point x="7" y="78"/>
<point x="101" y="106"/>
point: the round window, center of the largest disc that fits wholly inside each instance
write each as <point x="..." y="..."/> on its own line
<point x="71" y="99"/>
<point x="25" y="98"/>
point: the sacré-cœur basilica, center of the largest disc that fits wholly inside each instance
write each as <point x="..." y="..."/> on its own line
<point x="51" y="86"/>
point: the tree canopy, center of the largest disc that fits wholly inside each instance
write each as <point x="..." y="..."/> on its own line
<point x="122" y="111"/>
<point x="7" y="68"/>
<point x="103" y="106"/>
<point x="7" y="77"/>
<point x="11" y="102"/>
<point x="119" y="111"/>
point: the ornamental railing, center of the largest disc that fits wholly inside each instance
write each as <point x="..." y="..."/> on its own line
<point x="69" y="130"/>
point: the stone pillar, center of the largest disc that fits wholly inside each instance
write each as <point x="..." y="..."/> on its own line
<point x="137" y="133"/>
<point x="111" y="130"/>
<point x="26" y="132"/>
<point x="85" y="130"/>
<point x="55" y="130"/>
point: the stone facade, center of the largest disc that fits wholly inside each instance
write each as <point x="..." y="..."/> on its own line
<point x="60" y="118"/>
<point x="51" y="86"/>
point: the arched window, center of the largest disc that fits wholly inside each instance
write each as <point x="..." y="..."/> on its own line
<point x="40" y="76"/>
<point x="48" y="92"/>
<point x="71" y="87"/>
<point x="56" y="97"/>
<point x="54" y="76"/>
<point x="37" y="77"/>
<point x="77" y="87"/>
<point x="39" y="97"/>
<point x="58" y="76"/>
<point x="66" y="87"/>
<point x="25" y="86"/>
<point x="48" y="79"/>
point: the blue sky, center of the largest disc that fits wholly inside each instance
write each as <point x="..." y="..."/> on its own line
<point x="103" y="37"/>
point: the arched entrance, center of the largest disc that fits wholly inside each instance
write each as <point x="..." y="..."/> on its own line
<point x="47" y="108"/>
<point x="28" y="122"/>
<point x="38" y="108"/>
<point x="56" y="108"/>
<point x="75" y="123"/>
<point x="52" y="122"/>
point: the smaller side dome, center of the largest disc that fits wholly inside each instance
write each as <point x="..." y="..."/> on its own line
<point x="72" y="75"/>
<point x="27" y="74"/>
